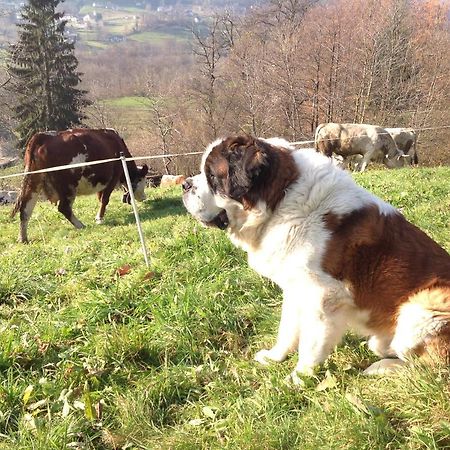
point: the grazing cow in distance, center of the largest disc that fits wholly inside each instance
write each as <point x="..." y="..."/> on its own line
<point x="406" y="140"/>
<point x="171" y="180"/>
<point x="371" y="142"/>
<point x="51" y="149"/>
<point x="8" y="197"/>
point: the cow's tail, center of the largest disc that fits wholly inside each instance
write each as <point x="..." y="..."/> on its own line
<point x="20" y="198"/>
<point x="17" y="205"/>
<point x="33" y="143"/>
<point x="316" y="135"/>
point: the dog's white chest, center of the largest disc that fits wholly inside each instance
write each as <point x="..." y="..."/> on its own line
<point x="282" y="256"/>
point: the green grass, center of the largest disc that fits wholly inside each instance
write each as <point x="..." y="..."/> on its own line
<point x="156" y="37"/>
<point x="129" y="102"/>
<point x="161" y="358"/>
<point x="14" y="182"/>
<point x="97" y="44"/>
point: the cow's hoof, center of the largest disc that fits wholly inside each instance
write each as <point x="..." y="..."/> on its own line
<point x="98" y="221"/>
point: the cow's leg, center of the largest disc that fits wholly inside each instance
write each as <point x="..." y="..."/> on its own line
<point x="27" y="203"/>
<point x="364" y="161"/>
<point x="103" y="198"/>
<point x="65" y="208"/>
<point x="101" y="210"/>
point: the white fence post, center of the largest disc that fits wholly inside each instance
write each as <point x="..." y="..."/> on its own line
<point x="133" y="203"/>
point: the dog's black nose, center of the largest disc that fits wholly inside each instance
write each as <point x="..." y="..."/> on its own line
<point x="187" y="185"/>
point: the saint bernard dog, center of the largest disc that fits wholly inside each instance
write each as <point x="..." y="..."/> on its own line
<point x="344" y="258"/>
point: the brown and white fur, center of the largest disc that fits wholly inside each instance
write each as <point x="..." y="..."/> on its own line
<point x="344" y="258"/>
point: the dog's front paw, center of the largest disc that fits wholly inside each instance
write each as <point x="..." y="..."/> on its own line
<point x="295" y="379"/>
<point x="303" y="378"/>
<point x="265" y="357"/>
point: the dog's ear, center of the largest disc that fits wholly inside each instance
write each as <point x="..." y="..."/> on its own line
<point x="248" y="159"/>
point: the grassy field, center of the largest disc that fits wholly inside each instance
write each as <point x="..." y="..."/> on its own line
<point x="132" y="113"/>
<point x="155" y="37"/>
<point x="129" y="102"/>
<point x="161" y="358"/>
<point x="123" y="22"/>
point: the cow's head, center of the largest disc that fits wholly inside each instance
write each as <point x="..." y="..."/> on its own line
<point x="398" y="161"/>
<point x="138" y="183"/>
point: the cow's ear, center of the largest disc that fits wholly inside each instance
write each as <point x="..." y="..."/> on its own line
<point x="144" y="170"/>
<point x="247" y="162"/>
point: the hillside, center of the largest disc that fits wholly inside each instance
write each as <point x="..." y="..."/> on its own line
<point x="161" y="358"/>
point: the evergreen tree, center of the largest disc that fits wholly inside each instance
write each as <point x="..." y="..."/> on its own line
<point x="44" y="70"/>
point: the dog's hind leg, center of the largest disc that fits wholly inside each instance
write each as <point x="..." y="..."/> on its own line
<point x="384" y="366"/>
<point x="381" y="345"/>
<point x="422" y="331"/>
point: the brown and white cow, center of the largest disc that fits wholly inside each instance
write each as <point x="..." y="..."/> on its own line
<point x="171" y="180"/>
<point x="371" y="142"/>
<point x="406" y="140"/>
<point x="51" y="149"/>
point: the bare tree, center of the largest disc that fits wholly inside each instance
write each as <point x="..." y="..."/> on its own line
<point x="209" y="48"/>
<point x="163" y="121"/>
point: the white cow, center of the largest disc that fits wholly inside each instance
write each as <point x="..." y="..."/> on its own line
<point x="371" y="142"/>
<point x="406" y="140"/>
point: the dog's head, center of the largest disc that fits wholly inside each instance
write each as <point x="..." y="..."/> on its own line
<point x="238" y="173"/>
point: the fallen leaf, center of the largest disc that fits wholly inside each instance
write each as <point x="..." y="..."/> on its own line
<point x="196" y="422"/>
<point x="149" y="276"/>
<point x="357" y="403"/>
<point x="98" y="407"/>
<point x="209" y="412"/>
<point x="88" y="408"/>
<point x="124" y="270"/>
<point x="66" y="408"/>
<point x="327" y="383"/>
<point x="60" y="272"/>
<point x="78" y="405"/>
<point x="28" y="421"/>
<point x="38" y="404"/>
<point x="27" y="394"/>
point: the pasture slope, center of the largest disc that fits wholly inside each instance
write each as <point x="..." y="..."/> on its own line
<point x="90" y="359"/>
